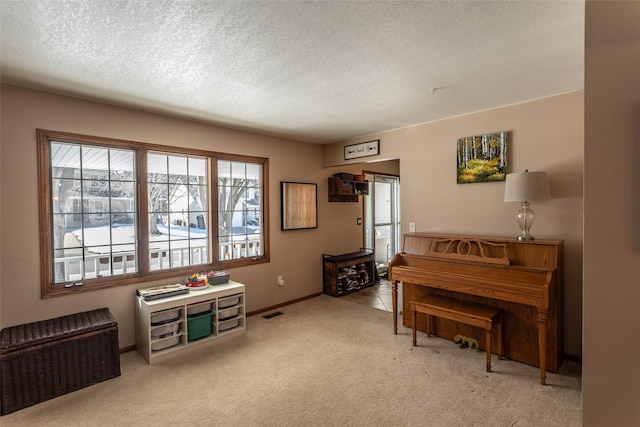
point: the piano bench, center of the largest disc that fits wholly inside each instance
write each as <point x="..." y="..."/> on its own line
<point x="469" y="313"/>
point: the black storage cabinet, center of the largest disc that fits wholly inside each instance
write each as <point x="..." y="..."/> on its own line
<point x="346" y="273"/>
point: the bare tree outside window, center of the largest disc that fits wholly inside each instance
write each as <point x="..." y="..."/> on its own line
<point x="240" y="233"/>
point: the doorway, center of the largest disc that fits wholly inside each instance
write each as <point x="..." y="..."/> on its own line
<point x="382" y="219"/>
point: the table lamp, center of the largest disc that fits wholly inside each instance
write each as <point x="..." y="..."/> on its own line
<point x="524" y="187"/>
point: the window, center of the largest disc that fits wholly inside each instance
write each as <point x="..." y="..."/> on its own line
<point x="239" y="210"/>
<point x="178" y="211"/>
<point x="114" y="212"/>
<point x="93" y="210"/>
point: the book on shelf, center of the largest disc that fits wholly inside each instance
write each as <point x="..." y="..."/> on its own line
<point x="163" y="291"/>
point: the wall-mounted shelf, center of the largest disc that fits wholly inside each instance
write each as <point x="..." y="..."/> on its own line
<point x="346" y="191"/>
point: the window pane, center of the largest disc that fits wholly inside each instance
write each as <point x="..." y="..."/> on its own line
<point x="197" y="171"/>
<point x="95" y="163"/>
<point x="199" y="194"/>
<point x="179" y="199"/>
<point x="65" y="160"/>
<point x="179" y="211"/>
<point x="96" y="265"/>
<point x="66" y="195"/>
<point x="254" y="173"/>
<point x="122" y="196"/>
<point x="224" y="172"/>
<point x="96" y="231"/>
<point x="94" y="210"/>
<point x="122" y="167"/>
<point x="157" y="167"/>
<point x="124" y="259"/>
<point x="199" y="251"/>
<point x="69" y="226"/>
<point x="123" y="230"/>
<point x="239" y="210"/>
<point x="178" y="168"/>
<point x="238" y="170"/>
<point x="158" y="197"/>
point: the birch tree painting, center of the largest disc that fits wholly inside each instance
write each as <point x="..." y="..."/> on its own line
<point x="482" y="158"/>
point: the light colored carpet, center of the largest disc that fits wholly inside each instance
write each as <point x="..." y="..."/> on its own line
<point x="324" y="362"/>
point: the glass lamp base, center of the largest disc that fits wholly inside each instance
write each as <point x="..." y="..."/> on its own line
<point x="525" y="217"/>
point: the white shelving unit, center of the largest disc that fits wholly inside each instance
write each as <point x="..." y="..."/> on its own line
<point x="162" y="325"/>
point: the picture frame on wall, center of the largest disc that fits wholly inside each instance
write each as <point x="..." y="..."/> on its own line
<point x="363" y="149"/>
<point x="482" y="158"/>
<point x="299" y="203"/>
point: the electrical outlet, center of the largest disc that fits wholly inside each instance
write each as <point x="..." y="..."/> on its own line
<point x="412" y="227"/>
<point x="280" y="281"/>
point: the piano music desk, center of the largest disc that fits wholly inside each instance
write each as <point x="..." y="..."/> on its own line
<point x="478" y="315"/>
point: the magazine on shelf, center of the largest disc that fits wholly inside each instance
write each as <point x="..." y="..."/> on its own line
<point x="162" y="291"/>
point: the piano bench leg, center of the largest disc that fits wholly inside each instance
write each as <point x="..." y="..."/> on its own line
<point x="489" y="326"/>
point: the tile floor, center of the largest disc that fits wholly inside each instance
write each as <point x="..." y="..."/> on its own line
<point x="376" y="296"/>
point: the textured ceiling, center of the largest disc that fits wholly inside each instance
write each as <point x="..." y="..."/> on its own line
<point x="315" y="71"/>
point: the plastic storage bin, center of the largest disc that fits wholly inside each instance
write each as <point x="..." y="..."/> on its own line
<point x="163" y="343"/>
<point x="228" y="324"/>
<point x="228" y="313"/>
<point x="199" y="326"/>
<point x="165" y="316"/>
<point x="229" y="301"/>
<point x="166" y="330"/>
<point x="218" y="277"/>
<point x="198" y="308"/>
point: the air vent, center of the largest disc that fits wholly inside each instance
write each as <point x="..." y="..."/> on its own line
<point x="274" y="314"/>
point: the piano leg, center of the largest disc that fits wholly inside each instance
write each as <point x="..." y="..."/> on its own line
<point x="415" y="326"/>
<point x="543" y="320"/>
<point x="487" y="334"/>
<point x="394" y="302"/>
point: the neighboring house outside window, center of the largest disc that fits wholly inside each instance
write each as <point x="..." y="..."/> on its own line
<point x="102" y="225"/>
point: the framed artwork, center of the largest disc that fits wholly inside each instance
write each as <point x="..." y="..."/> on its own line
<point x="482" y="158"/>
<point x="364" y="149"/>
<point x="299" y="205"/>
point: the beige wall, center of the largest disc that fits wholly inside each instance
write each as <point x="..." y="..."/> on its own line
<point x="550" y="139"/>
<point x="546" y="134"/>
<point x="611" y="373"/>
<point x="296" y="255"/>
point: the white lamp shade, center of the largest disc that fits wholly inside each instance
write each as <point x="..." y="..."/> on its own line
<point x="526" y="186"/>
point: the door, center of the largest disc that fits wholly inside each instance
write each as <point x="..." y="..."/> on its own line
<point x="382" y="219"/>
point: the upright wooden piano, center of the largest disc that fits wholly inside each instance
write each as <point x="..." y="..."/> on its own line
<point x="523" y="278"/>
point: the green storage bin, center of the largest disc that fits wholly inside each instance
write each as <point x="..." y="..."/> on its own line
<point x="199" y="326"/>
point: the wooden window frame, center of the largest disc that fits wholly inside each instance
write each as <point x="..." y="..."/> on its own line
<point x="48" y="286"/>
